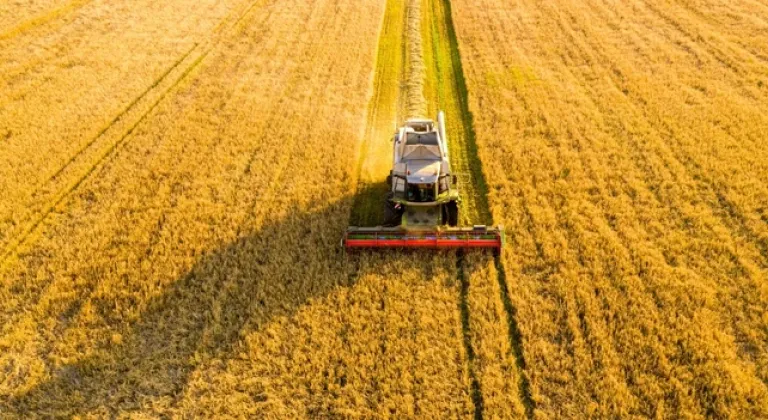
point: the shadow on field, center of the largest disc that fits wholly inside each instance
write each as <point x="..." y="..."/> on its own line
<point x="268" y="273"/>
<point x="368" y="205"/>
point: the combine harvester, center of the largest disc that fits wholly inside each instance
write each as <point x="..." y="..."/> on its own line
<point x="422" y="209"/>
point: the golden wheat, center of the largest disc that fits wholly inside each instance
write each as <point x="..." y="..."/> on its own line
<point x="196" y="270"/>
<point x="623" y="150"/>
<point x="18" y="16"/>
<point x="388" y="345"/>
<point x="176" y="179"/>
<point x="69" y="92"/>
<point x="149" y="268"/>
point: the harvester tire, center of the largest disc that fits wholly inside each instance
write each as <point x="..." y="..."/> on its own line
<point x="451" y="213"/>
<point x="392" y="216"/>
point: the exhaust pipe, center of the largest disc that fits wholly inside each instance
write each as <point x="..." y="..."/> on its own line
<point x="441" y="131"/>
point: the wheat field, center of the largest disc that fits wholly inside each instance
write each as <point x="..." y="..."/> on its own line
<point x="624" y="147"/>
<point x="176" y="177"/>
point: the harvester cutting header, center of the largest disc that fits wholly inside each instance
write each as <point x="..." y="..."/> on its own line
<point x="422" y="208"/>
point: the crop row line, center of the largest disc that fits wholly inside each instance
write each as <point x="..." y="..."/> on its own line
<point x="47" y="208"/>
<point x="43" y="18"/>
<point x="452" y="79"/>
<point x="476" y="392"/>
<point x="415" y="74"/>
<point x="22" y="239"/>
<point x="35" y="218"/>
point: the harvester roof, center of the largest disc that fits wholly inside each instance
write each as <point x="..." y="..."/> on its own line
<point x="422" y="171"/>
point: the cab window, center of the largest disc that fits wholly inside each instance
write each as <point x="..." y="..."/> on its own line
<point x="421" y="192"/>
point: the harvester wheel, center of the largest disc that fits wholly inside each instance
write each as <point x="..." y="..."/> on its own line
<point x="392" y="215"/>
<point x="451" y="213"/>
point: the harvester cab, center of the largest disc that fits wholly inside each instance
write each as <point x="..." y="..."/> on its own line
<point x="423" y="192"/>
<point x="422" y="207"/>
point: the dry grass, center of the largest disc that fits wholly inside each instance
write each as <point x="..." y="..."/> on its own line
<point x="623" y="144"/>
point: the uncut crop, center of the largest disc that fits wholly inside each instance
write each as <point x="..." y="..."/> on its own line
<point x="17" y="16"/>
<point x="228" y="196"/>
<point x="73" y="80"/>
<point x="189" y="263"/>
<point x="623" y="144"/>
<point x="388" y="344"/>
<point x="175" y="181"/>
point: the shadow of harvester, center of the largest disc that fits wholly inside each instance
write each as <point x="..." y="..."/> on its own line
<point x="262" y="275"/>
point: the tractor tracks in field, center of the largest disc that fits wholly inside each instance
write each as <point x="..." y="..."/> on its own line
<point x="43" y="18"/>
<point x="515" y="339"/>
<point x="60" y="186"/>
<point x="452" y="96"/>
<point x="476" y="392"/>
<point x="99" y="149"/>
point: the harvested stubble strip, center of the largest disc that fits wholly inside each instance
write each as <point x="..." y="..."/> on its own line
<point x="386" y="107"/>
<point x="417" y="105"/>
